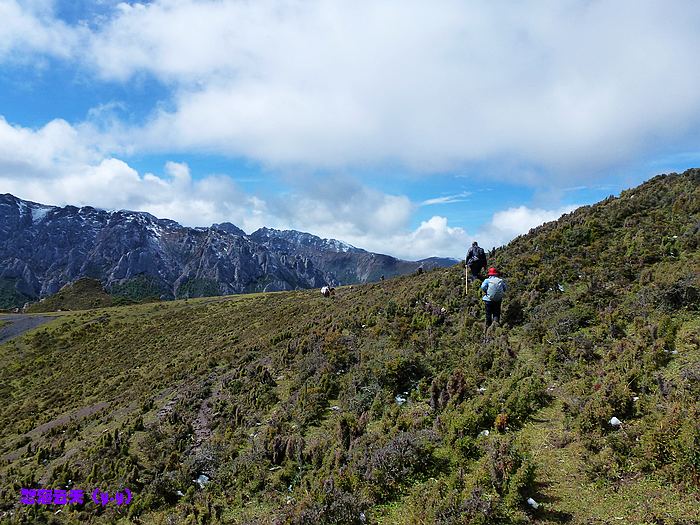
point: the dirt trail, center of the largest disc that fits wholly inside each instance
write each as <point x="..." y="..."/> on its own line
<point x="18" y="324"/>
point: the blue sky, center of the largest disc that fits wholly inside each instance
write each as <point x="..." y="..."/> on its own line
<point x="400" y="126"/>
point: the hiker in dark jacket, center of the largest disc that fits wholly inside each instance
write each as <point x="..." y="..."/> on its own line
<point x="495" y="289"/>
<point x="476" y="261"/>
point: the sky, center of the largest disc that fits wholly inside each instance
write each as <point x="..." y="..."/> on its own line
<point x="400" y="126"/>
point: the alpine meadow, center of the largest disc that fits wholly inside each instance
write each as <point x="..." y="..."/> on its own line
<point x="387" y="403"/>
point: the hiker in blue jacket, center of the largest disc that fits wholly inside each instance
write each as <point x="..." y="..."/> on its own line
<point x="495" y="289"/>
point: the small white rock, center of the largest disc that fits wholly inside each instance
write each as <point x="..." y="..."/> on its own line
<point x="615" y="422"/>
<point x="484" y="433"/>
<point x="532" y="503"/>
<point x="201" y="480"/>
<point x="635" y="398"/>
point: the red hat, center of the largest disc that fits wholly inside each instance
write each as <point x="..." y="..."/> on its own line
<point x="492" y="271"/>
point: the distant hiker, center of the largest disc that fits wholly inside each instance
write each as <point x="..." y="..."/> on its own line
<point x="420" y="269"/>
<point x="476" y="261"/>
<point x="495" y="289"/>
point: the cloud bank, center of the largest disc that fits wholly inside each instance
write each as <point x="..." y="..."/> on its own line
<point x="52" y="165"/>
<point x="560" y="85"/>
<point x="567" y="87"/>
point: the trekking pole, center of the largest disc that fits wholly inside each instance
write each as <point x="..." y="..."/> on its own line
<point x="466" y="278"/>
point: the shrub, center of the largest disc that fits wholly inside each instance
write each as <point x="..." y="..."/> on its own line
<point x="405" y="457"/>
<point x="508" y="471"/>
<point x="329" y="506"/>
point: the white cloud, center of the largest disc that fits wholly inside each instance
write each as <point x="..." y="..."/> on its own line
<point x="56" y="165"/>
<point x="341" y="205"/>
<point x="447" y="199"/>
<point x="508" y="224"/>
<point x="433" y="238"/>
<point x="562" y="85"/>
<point x="29" y="27"/>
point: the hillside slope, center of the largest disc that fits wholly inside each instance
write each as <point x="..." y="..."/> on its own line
<point x="82" y="294"/>
<point x="373" y="406"/>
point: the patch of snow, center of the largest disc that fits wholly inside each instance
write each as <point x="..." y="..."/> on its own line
<point x="22" y="206"/>
<point x="338" y="246"/>
<point x="40" y="212"/>
<point x="155" y="230"/>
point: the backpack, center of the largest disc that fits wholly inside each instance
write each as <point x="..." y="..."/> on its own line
<point x="496" y="289"/>
<point x="476" y="253"/>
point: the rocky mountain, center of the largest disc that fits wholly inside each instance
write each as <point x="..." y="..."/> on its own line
<point x="42" y="248"/>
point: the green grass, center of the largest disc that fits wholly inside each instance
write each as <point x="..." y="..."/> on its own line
<point x="83" y="294"/>
<point x="566" y="494"/>
<point x="288" y="400"/>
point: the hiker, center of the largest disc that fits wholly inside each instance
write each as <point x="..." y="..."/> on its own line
<point x="476" y="261"/>
<point x="495" y="289"/>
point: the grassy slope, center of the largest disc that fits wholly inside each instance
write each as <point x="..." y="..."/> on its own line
<point x="81" y="295"/>
<point x="287" y="400"/>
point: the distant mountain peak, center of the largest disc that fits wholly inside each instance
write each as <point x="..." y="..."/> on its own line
<point x="229" y="228"/>
<point x="303" y="239"/>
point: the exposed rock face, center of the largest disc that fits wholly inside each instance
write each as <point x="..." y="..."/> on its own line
<point x="42" y="248"/>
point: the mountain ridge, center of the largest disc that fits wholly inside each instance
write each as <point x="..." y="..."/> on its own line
<point x="44" y="248"/>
